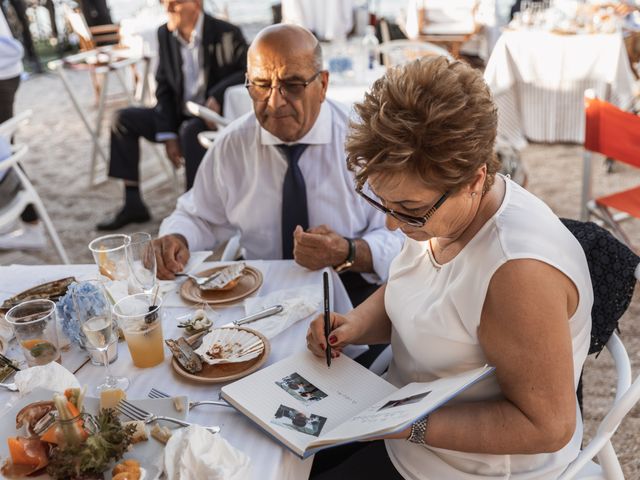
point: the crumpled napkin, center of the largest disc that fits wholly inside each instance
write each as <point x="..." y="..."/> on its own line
<point x="51" y="376"/>
<point x="298" y="303"/>
<point x="193" y="453"/>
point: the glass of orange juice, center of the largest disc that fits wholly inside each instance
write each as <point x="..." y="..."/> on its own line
<point x="34" y="324"/>
<point x="140" y="317"/>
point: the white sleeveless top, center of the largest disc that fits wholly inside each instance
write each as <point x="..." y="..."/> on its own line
<point x="435" y="314"/>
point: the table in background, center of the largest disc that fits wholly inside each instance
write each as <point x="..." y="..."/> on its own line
<point x="268" y="458"/>
<point x="538" y="81"/>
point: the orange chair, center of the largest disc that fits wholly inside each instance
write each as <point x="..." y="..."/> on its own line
<point x="616" y="134"/>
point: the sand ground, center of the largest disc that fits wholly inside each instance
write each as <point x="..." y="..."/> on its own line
<point x="58" y="164"/>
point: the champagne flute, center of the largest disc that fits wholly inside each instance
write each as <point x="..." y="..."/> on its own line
<point x="94" y="315"/>
<point x="141" y="259"/>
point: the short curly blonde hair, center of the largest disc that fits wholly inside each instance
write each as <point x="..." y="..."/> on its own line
<point x="433" y="118"/>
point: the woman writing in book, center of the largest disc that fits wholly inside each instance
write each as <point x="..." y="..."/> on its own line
<point x="487" y="274"/>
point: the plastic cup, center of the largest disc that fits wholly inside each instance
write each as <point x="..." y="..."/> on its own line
<point x="110" y="255"/>
<point x="141" y="321"/>
<point x="34" y="325"/>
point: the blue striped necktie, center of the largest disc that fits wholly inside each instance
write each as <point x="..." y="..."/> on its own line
<point x="294" y="197"/>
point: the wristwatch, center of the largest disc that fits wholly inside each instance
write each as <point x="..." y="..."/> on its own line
<point x="351" y="257"/>
<point x="418" y="430"/>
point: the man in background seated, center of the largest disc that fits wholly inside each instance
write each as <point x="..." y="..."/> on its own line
<point x="278" y="175"/>
<point x="199" y="57"/>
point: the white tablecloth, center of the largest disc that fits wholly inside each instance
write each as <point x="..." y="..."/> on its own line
<point x="538" y="81"/>
<point x="269" y="459"/>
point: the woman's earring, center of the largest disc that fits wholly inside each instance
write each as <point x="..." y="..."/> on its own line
<point x="473" y="194"/>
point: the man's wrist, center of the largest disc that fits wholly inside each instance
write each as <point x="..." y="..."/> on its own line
<point x="350" y="257"/>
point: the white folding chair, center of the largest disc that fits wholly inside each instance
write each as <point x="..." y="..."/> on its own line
<point x="397" y="52"/>
<point x="627" y="395"/>
<point x="28" y="194"/>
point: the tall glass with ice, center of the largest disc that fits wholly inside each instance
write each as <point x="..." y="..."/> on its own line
<point x="140" y="317"/>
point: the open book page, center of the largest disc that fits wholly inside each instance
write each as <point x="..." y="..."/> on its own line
<point x="298" y="399"/>
<point x="398" y="410"/>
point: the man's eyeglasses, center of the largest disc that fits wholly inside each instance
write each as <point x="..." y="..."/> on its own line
<point x="403" y="217"/>
<point x="290" y="90"/>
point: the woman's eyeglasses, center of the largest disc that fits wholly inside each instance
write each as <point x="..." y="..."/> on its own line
<point x="290" y="90"/>
<point x="403" y="217"/>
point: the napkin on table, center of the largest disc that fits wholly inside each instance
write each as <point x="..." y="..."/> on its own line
<point x="193" y="453"/>
<point x="51" y="376"/>
<point x="298" y="303"/>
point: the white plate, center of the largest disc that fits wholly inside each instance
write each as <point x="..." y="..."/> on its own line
<point x="150" y="454"/>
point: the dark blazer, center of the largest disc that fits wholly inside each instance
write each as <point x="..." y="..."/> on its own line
<point x="225" y="63"/>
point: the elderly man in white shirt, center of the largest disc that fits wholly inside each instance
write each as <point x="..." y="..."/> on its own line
<point x="278" y="176"/>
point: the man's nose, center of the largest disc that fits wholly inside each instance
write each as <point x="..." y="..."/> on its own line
<point x="276" y="99"/>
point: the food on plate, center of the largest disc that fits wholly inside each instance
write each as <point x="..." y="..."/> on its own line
<point x="162" y="434"/>
<point x="198" y="322"/>
<point x="178" y="403"/>
<point x="127" y="470"/>
<point x="230" y="345"/>
<point x="71" y="445"/>
<point x="140" y="432"/>
<point x="31" y="414"/>
<point x="185" y="355"/>
<point x="226" y="278"/>
<point x="27" y="456"/>
<point x="51" y="290"/>
<point x="111" y="398"/>
<point x="6" y="370"/>
<point x="90" y="458"/>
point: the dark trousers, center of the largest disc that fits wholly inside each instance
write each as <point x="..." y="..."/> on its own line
<point x="129" y="124"/>
<point x="10" y="184"/>
<point x="355" y="461"/>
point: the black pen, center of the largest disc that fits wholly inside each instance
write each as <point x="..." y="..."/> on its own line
<point x="327" y="316"/>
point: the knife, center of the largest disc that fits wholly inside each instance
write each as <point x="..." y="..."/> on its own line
<point x="267" y="312"/>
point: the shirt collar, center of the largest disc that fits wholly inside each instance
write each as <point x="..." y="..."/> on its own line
<point x="196" y="33"/>
<point x="319" y="134"/>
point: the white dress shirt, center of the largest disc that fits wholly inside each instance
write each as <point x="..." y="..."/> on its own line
<point x="238" y="188"/>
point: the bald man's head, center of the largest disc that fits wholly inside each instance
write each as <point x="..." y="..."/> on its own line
<point x="286" y="80"/>
<point x="282" y="37"/>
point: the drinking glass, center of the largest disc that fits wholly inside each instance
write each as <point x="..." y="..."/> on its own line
<point x="110" y="256"/>
<point x="140" y="317"/>
<point x="94" y="315"/>
<point x="141" y="260"/>
<point x="34" y="325"/>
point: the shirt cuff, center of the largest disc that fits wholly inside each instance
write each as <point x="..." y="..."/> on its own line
<point x="164" y="136"/>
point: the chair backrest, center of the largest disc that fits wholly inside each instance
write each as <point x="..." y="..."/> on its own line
<point x="79" y="26"/>
<point x="612" y="267"/>
<point x="397" y="52"/>
<point x="611" y="131"/>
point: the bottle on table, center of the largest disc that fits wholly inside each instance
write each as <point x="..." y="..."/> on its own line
<point x="370" y="48"/>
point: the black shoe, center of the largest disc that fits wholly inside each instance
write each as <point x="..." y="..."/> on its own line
<point x="123" y="218"/>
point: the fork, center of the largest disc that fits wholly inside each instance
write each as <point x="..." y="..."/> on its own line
<point x="6" y="361"/>
<point x="136" y="413"/>
<point x="200" y="280"/>
<point x="155" y="393"/>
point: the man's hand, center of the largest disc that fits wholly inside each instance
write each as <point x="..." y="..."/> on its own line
<point x="172" y="254"/>
<point x="212" y="104"/>
<point x="174" y="153"/>
<point x="319" y="247"/>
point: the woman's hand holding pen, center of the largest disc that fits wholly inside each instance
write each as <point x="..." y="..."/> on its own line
<point x="344" y="331"/>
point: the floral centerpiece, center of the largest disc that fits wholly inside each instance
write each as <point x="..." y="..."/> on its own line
<point x="82" y="299"/>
